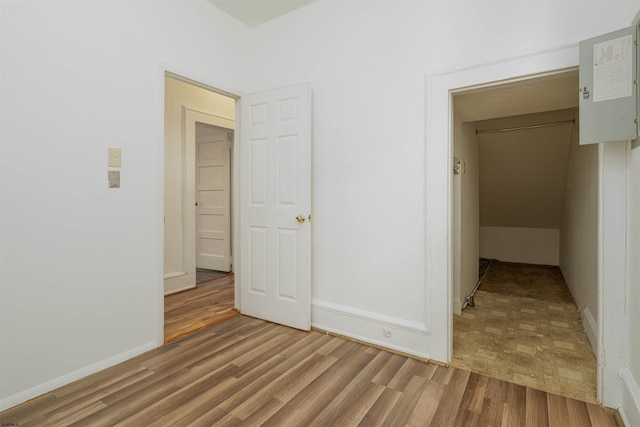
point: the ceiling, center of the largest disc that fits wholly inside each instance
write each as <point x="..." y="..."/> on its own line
<point x="256" y="12"/>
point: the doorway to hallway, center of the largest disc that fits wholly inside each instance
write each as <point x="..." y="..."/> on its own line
<point x="199" y="134"/>
<point x="271" y="170"/>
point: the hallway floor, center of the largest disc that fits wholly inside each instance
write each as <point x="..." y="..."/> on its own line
<point x="526" y="329"/>
<point x="204" y="275"/>
<point x="209" y="303"/>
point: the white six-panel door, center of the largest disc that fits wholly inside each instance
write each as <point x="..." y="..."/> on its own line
<point x="213" y="222"/>
<point x="275" y="198"/>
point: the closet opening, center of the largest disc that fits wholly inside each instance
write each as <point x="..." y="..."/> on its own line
<point x="524" y="225"/>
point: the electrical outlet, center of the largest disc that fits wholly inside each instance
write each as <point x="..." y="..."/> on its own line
<point x="386" y="332"/>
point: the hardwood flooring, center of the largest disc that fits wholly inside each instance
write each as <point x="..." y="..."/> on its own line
<point x="207" y="304"/>
<point x="204" y="275"/>
<point x="250" y="372"/>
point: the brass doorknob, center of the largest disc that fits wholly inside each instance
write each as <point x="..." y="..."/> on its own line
<point x="300" y="219"/>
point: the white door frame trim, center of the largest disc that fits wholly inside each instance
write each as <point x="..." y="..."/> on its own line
<point x="612" y="270"/>
<point x="438" y="200"/>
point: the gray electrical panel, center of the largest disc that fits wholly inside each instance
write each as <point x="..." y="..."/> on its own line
<point x="608" y="87"/>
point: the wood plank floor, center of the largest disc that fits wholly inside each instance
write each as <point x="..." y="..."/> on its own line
<point x="250" y="372"/>
<point x="204" y="275"/>
<point x="207" y="304"/>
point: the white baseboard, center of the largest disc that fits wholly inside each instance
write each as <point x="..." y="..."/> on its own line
<point x="177" y="282"/>
<point x="405" y="336"/>
<point x="591" y="329"/>
<point x="23" y="396"/>
<point x="630" y="408"/>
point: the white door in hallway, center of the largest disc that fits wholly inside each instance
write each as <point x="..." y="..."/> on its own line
<point x="275" y="206"/>
<point x="213" y="201"/>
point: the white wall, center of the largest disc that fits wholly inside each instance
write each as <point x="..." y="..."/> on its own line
<point x="631" y="372"/>
<point x="466" y="205"/>
<point x="367" y="63"/>
<point x="180" y="260"/>
<point x="579" y="232"/>
<point x="81" y="276"/>
<point x="630" y="405"/>
<point x="520" y="244"/>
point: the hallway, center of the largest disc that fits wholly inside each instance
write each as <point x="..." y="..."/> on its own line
<point x="525" y="328"/>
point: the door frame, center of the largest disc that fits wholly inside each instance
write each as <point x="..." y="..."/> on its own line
<point x="222" y="89"/>
<point x="439" y="89"/>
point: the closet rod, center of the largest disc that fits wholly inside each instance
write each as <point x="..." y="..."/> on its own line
<point x="543" y="125"/>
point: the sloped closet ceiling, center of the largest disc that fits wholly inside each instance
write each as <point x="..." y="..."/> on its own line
<point x="523" y="172"/>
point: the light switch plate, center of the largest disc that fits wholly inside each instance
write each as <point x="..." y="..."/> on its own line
<point x="115" y="157"/>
